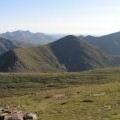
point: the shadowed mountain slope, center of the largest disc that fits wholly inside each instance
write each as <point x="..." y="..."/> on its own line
<point x="77" y="55"/>
<point x="107" y="43"/>
<point x="6" y="45"/>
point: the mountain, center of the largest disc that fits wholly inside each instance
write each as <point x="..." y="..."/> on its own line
<point x="6" y="45"/>
<point x="107" y="43"/>
<point x="66" y="54"/>
<point x="37" y="59"/>
<point x="77" y="55"/>
<point x="29" y="37"/>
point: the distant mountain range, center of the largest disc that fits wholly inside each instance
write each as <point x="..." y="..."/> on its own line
<point x="29" y="37"/>
<point x="66" y="54"/>
<point x="107" y="43"/>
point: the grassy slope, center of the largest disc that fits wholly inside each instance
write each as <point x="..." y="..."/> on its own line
<point x="26" y="82"/>
<point x="65" y="96"/>
<point x="78" y="103"/>
<point x="30" y="59"/>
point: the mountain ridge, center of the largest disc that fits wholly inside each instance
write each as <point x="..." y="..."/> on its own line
<point x="107" y="43"/>
<point x="30" y="37"/>
<point x="6" y="45"/>
<point x="66" y="54"/>
<point x="71" y="47"/>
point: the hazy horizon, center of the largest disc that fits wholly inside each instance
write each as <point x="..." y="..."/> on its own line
<point x="65" y="16"/>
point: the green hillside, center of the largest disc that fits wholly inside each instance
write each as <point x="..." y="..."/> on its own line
<point x="67" y="54"/>
<point x="30" y="59"/>
<point x="37" y="81"/>
<point x="64" y="96"/>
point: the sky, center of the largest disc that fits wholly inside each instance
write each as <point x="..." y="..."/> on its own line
<point x="96" y="17"/>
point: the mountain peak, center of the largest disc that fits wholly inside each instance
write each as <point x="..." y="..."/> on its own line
<point x="70" y="37"/>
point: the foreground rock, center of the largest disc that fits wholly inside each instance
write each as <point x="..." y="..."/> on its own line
<point x="7" y="113"/>
<point x="30" y="116"/>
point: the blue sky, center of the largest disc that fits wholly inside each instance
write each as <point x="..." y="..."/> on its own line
<point x="61" y="16"/>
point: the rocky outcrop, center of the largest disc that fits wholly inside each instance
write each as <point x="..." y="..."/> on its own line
<point x="7" y="113"/>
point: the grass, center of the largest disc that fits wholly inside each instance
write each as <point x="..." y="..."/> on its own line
<point x="77" y="103"/>
<point x="91" y="95"/>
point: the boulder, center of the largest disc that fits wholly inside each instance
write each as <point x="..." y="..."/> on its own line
<point x="30" y="116"/>
<point x="7" y="113"/>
